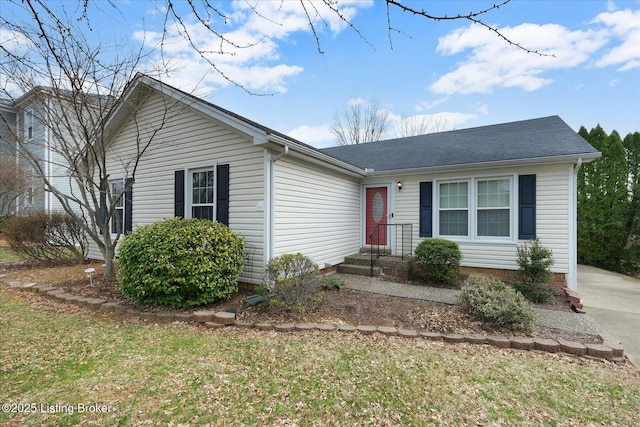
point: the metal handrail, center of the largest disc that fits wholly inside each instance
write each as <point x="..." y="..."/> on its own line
<point x="405" y="236"/>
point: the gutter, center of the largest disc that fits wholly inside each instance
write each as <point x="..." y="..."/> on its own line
<point x="581" y="158"/>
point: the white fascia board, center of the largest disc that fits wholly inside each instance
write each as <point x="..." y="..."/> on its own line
<point x="573" y="158"/>
<point x="314" y="156"/>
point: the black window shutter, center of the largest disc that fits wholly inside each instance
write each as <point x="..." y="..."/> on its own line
<point x="426" y="209"/>
<point x="128" y="205"/>
<point x="527" y="207"/>
<point x="222" y="194"/>
<point x="178" y="206"/>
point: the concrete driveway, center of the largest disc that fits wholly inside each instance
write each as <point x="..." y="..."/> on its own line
<point x="613" y="300"/>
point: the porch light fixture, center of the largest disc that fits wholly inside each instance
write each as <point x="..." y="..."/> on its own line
<point x="399" y="185"/>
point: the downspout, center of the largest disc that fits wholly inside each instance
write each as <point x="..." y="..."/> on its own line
<point x="572" y="280"/>
<point x="269" y="252"/>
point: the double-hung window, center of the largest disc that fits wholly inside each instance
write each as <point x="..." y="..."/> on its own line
<point x="202" y="193"/>
<point x="117" y="220"/>
<point x="493" y="212"/>
<point x="454" y="208"/>
<point x="476" y="208"/>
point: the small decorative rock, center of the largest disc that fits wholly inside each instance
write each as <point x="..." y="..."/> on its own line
<point x="55" y="292"/>
<point x="453" y="338"/>
<point x="213" y="325"/>
<point x="203" y="316"/>
<point x="71" y="298"/>
<point x="245" y="325"/>
<point x="572" y="347"/>
<point x="325" y="327"/>
<point x="147" y="315"/>
<point x="599" y="350"/>
<point x="498" y="341"/>
<point x="522" y="343"/>
<point x="367" y="330"/>
<point x="618" y="350"/>
<point x="165" y="316"/>
<point x="108" y="307"/>
<point x="183" y="317"/>
<point x="285" y="327"/>
<point x="431" y="336"/>
<point x="44" y="288"/>
<point x="264" y="326"/>
<point x="95" y="303"/>
<point x="305" y="326"/>
<point x="408" y="333"/>
<point x="346" y="328"/>
<point x="134" y="313"/>
<point x="224" y="318"/>
<point x="62" y="297"/>
<point x="120" y="309"/>
<point x="545" y="344"/>
<point x="388" y="330"/>
<point x="475" y="339"/>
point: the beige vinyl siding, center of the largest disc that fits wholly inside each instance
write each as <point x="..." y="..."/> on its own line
<point x="552" y="215"/>
<point x="317" y="212"/>
<point x="193" y="140"/>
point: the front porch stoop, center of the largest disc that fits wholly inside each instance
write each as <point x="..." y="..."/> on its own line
<point x="358" y="264"/>
<point x="395" y="267"/>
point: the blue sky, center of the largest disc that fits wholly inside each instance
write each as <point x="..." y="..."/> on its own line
<point x="453" y="74"/>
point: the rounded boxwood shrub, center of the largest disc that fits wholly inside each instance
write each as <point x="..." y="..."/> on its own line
<point x="292" y="282"/>
<point x="439" y="259"/>
<point x="496" y="303"/>
<point x="180" y="263"/>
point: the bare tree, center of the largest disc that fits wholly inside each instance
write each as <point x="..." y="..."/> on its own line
<point x="15" y="183"/>
<point x="63" y="90"/>
<point x="421" y="124"/>
<point x="361" y="121"/>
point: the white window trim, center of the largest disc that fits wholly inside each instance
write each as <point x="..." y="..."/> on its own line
<point x="112" y="223"/>
<point x="473" y="209"/>
<point x="188" y="183"/>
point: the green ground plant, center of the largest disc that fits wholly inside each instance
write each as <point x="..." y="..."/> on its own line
<point x="496" y="303"/>
<point x="534" y="269"/>
<point x="292" y="282"/>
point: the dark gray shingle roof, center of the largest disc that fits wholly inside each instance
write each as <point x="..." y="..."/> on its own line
<point x="528" y="139"/>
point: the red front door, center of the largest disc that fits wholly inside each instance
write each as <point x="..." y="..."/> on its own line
<point x="376" y="215"/>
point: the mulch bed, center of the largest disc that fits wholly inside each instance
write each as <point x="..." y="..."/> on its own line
<point x="349" y="307"/>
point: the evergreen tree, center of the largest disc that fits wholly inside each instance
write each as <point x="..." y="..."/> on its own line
<point x="609" y="203"/>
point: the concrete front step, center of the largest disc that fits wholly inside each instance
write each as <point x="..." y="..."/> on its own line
<point x="360" y="270"/>
<point x="358" y="259"/>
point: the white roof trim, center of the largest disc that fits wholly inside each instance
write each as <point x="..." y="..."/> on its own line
<point x="572" y="158"/>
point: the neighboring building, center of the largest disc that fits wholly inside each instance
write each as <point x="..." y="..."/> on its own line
<point x="30" y="122"/>
<point x="487" y="188"/>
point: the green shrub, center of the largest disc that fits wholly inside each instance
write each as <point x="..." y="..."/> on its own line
<point x="533" y="293"/>
<point x="439" y="259"/>
<point x="534" y="261"/>
<point x="331" y="282"/>
<point x="4" y="221"/>
<point x="292" y="282"/>
<point x="50" y="238"/>
<point x="180" y="263"/>
<point x="497" y="304"/>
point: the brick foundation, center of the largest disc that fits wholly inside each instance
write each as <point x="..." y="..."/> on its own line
<point x="509" y="275"/>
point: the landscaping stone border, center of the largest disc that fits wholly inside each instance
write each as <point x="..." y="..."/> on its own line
<point x="611" y="349"/>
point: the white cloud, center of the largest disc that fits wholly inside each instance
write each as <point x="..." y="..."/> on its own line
<point x="623" y="25"/>
<point x="247" y="47"/>
<point x="428" y="105"/>
<point x="320" y="136"/>
<point x="492" y="63"/>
